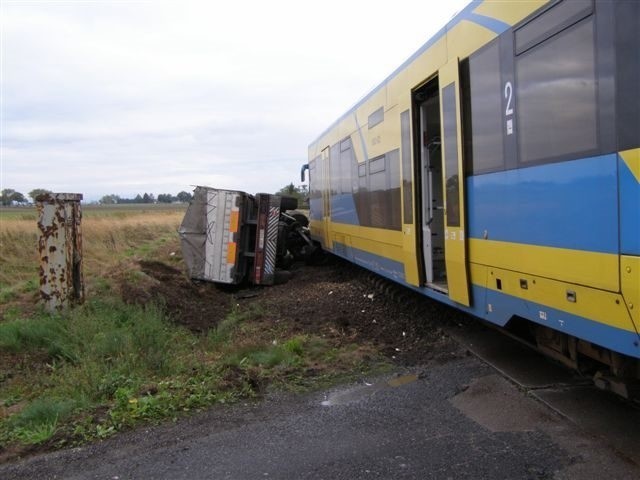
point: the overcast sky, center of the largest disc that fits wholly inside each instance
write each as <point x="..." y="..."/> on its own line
<point x="128" y="97"/>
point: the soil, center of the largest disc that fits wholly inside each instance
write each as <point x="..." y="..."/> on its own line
<point x="198" y="306"/>
<point x="337" y="300"/>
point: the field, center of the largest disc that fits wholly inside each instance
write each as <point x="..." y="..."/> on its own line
<point x="150" y="345"/>
<point x="109" y="232"/>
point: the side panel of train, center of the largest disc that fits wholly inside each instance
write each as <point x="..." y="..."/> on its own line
<point x="498" y="170"/>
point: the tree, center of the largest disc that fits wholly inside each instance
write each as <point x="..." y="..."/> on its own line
<point x="9" y="196"/>
<point x="165" y="198"/>
<point x="110" y="199"/>
<point x="148" y="198"/>
<point x="19" y="198"/>
<point x="37" y="192"/>
<point x="184" y="197"/>
<point x="289" y="190"/>
<point x="297" y="192"/>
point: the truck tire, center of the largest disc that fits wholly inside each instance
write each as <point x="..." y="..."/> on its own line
<point x="301" y="218"/>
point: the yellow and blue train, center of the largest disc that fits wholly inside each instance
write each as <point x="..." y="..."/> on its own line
<point x="498" y="170"/>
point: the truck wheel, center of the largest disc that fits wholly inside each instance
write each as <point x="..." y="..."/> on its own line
<point x="301" y="219"/>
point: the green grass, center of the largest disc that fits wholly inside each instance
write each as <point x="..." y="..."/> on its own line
<point x="39" y="420"/>
<point x="134" y="366"/>
<point x="228" y="325"/>
<point x="90" y="354"/>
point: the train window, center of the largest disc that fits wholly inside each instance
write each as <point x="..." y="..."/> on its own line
<point x="376" y="165"/>
<point x="552" y="21"/>
<point x="393" y="168"/>
<point x="556" y="96"/>
<point x="394" y="217"/>
<point x="485" y="89"/>
<point x="628" y="74"/>
<point x="334" y="165"/>
<point x="407" y="200"/>
<point x="377" y="177"/>
<point x="315" y="188"/>
<point x="452" y="179"/>
<point x="314" y="185"/>
<point x="376" y="117"/>
<point x="345" y="144"/>
<point x="346" y="161"/>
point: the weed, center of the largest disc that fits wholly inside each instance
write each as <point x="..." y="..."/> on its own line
<point x="30" y="285"/>
<point x="102" y="286"/>
<point x="30" y="334"/>
<point x="11" y="400"/>
<point x="229" y="324"/>
<point x="12" y="313"/>
<point x="39" y="420"/>
<point x="35" y="434"/>
<point x="43" y="411"/>
<point x="6" y="294"/>
<point x="104" y="431"/>
<point x="265" y="356"/>
<point x="294" y="345"/>
<point x="95" y="351"/>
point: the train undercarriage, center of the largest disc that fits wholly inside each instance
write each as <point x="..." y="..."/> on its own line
<point x="609" y="370"/>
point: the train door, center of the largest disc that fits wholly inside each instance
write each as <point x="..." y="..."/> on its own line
<point x="427" y="122"/>
<point x="325" y="165"/>
<point x="453" y="181"/>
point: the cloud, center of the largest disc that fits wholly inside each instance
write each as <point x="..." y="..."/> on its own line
<point x="123" y="97"/>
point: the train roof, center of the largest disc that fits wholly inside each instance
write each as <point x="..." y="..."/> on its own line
<point x="467" y="13"/>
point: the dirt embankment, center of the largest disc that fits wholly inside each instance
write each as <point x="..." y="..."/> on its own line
<point x="338" y="300"/>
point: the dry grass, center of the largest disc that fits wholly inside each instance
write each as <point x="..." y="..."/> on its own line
<point x="109" y="234"/>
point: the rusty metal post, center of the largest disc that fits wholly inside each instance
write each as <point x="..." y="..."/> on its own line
<point x="60" y="249"/>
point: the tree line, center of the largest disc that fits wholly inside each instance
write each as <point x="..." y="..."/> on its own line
<point x="12" y="197"/>
<point x="182" y="197"/>
<point x="9" y="197"/>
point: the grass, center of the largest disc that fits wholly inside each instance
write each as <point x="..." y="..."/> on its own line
<point x="96" y="355"/>
<point x="106" y="366"/>
<point x="134" y="365"/>
<point x="108" y="232"/>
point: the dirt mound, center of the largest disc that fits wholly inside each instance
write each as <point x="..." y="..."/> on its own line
<point x="344" y="300"/>
<point x="338" y="300"/>
<point x="198" y="306"/>
<point x="158" y="270"/>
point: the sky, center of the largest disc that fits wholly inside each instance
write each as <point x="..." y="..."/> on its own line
<point x="127" y="97"/>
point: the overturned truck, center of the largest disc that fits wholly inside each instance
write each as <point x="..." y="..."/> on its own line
<point x="232" y="237"/>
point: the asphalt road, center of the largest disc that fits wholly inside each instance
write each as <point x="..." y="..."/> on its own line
<point x="458" y="420"/>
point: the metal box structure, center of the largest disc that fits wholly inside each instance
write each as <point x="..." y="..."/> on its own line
<point x="60" y="249"/>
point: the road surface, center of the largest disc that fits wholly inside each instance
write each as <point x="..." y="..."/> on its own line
<point x="460" y="419"/>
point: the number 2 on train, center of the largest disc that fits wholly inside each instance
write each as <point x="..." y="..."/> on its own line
<point x="508" y="95"/>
